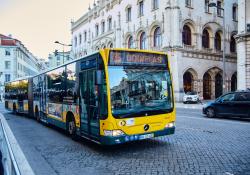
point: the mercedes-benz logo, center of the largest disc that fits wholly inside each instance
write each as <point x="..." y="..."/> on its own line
<point x="146" y="127"/>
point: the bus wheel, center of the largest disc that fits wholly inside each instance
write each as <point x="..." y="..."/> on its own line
<point x="37" y="114"/>
<point x="14" y="108"/>
<point x="71" y="128"/>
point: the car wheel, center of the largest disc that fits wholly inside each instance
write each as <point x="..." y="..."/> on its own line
<point x="210" y="113"/>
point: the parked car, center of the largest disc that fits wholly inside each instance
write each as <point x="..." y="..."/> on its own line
<point x="191" y="97"/>
<point x="233" y="104"/>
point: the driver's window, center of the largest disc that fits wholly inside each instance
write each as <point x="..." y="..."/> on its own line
<point x="228" y="97"/>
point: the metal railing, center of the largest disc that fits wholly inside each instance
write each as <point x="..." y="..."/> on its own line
<point x="8" y="160"/>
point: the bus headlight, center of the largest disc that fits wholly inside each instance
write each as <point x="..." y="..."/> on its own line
<point x="170" y="125"/>
<point x="113" y="133"/>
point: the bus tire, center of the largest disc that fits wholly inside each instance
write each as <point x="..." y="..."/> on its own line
<point x="71" y="126"/>
<point x="14" y="109"/>
<point x="37" y="116"/>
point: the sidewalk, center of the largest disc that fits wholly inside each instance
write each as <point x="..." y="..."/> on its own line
<point x="191" y="106"/>
<point x="15" y="161"/>
<point x="188" y="106"/>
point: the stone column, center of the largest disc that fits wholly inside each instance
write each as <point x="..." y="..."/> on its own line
<point x="118" y="32"/>
<point x="167" y="28"/>
<point x="241" y="68"/>
<point x="200" y="88"/>
<point x="213" y="88"/>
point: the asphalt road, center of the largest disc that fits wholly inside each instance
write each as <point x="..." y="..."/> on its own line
<point x="199" y="146"/>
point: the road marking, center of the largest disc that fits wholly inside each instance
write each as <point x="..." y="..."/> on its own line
<point x="208" y="119"/>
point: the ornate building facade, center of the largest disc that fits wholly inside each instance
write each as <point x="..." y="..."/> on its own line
<point x="190" y="31"/>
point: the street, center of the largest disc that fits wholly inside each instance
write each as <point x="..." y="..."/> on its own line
<point x="199" y="146"/>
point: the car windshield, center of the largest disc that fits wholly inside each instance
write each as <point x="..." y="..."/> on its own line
<point x="191" y="93"/>
<point x="139" y="91"/>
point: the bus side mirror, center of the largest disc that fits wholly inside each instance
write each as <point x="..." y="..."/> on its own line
<point x="99" y="80"/>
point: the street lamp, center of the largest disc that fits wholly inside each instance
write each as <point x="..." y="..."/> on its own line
<point x="213" y="4"/>
<point x="62" y="44"/>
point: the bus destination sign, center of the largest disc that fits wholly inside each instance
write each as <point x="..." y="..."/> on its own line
<point x="136" y="58"/>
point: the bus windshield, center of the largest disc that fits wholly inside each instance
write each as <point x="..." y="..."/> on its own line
<point x="140" y="90"/>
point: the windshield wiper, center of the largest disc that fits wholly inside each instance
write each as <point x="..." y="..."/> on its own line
<point x="145" y="113"/>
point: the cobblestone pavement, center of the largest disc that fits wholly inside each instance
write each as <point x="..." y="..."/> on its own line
<point x="199" y="146"/>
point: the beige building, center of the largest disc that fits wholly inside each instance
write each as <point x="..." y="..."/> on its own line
<point x="190" y="31"/>
<point x="243" y="45"/>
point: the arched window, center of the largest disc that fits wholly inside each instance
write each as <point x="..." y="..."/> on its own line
<point x="157" y="37"/>
<point x="188" y="81"/>
<point x="111" y="45"/>
<point x="232" y="44"/>
<point x="130" y="42"/>
<point x="217" y="41"/>
<point x="234" y="82"/>
<point x="143" y="40"/>
<point x="205" y="39"/>
<point x="186" y="35"/>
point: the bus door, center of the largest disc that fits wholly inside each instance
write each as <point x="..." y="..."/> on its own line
<point x="89" y="102"/>
<point x="43" y="97"/>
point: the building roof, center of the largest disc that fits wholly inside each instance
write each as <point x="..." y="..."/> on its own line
<point x="7" y="41"/>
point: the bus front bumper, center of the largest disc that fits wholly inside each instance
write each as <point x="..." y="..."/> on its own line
<point x="108" y="140"/>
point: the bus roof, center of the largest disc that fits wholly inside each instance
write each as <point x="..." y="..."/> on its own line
<point x="19" y="79"/>
<point x="75" y="60"/>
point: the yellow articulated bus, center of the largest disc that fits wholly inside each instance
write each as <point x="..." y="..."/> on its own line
<point x="110" y="97"/>
<point x="16" y="96"/>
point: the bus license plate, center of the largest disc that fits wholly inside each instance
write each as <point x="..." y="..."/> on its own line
<point x="146" y="136"/>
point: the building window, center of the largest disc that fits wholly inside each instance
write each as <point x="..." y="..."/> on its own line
<point x="186" y="35"/>
<point x="80" y="39"/>
<point x="141" y="8"/>
<point x="143" y="41"/>
<point x="217" y="41"/>
<point x="205" y="39"/>
<point x="130" y="42"/>
<point x="219" y="8"/>
<point x="206" y="6"/>
<point x="7" y="52"/>
<point x="188" y="3"/>
<point x="155" y="4"/>
<point x="85" y="36"/>
<point x="157" y="37"/>
<point x="234" y="13"/>
<point x="7" y="77"/>
<point x="7" y="64"/>
<point x="96" y="30"/>
<point x="128" y="14"/>
<point x="232" y="44"/>
<point x="110" y="24"/>
<point x="103" y="27"/>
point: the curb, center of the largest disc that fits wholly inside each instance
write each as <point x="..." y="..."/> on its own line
<point x="188" y="106"/>
<point x="22" y="163"/>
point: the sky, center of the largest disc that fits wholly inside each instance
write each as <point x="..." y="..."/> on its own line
<point x="39" y="23"/>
